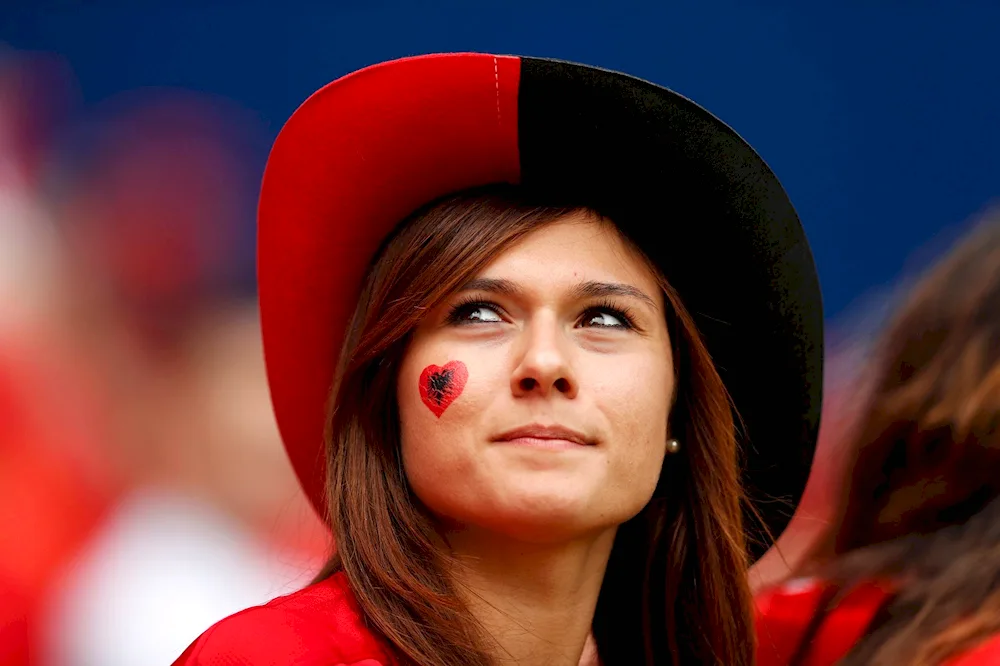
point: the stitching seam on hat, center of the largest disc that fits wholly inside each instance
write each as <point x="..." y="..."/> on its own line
<point x="496" y="80"/>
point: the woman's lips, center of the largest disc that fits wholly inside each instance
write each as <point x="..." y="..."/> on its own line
<point x="540" y="443"/>
<point x="554" y="437"/>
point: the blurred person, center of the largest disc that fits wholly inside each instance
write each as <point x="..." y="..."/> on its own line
<point x="150" y="200"/>
<point x="475" y="306"/>
<point x="908" y="569"/>
<point x="36" y="97"/>
<point x="53" y="488"/>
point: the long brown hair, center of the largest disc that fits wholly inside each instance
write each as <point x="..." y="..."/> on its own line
<point x="675" y="589"/>
<point x="926" y="466"/>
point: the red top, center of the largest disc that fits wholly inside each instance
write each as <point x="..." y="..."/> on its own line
<point x="784" y="614"/>
<point x="320" y="625"/>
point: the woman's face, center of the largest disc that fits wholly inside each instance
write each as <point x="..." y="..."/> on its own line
<point x="534" y="401"/>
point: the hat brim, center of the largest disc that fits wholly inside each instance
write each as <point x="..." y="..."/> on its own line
<point x="368" y="149"/>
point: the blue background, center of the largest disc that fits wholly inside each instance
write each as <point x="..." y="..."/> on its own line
<point x="880" y="121"/>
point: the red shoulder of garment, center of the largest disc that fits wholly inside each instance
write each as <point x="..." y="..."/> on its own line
<point x="986" y="654"/>
<point x="786" y="613"/>
<point x="318" y="625"/>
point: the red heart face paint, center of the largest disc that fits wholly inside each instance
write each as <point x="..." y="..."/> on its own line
<point x="440" y="386"/>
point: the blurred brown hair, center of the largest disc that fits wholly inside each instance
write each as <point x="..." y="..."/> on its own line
<point x="926" y="466"/>
<point x="928" y="445"/>
<point x="675" y="590"/>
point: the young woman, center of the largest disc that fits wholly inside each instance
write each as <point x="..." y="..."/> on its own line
<point x="908" y="572"/>
<point x="535" y="333"/>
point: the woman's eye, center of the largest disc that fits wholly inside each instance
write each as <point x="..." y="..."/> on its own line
<point x="473" y="313"/>
<point x="482" y="313"/>
<point x="604" y="319"/>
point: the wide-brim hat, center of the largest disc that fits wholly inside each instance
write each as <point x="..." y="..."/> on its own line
<point x="368" y="149"/>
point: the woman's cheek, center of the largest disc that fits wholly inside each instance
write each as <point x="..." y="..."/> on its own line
<point x="635" y="397"/>
<point x="632" y="387"/>
<point x="442" y="408"/>
<point x="441" y="447"/>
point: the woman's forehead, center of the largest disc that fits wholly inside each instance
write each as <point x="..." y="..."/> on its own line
<point x="576" y="248"/>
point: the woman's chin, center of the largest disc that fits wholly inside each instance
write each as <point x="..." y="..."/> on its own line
<point x="546" y="520"/>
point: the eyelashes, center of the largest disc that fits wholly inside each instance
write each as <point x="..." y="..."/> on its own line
<point x="460" y="312"/>
<point x="622" y="313"/>
<point x="463" y="313"/>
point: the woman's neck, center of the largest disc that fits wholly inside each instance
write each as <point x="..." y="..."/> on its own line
<point x="535" y="601"/>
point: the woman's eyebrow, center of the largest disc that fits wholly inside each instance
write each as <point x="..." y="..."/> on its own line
<point x="492" y="286"/>
<point x="589" y="289"/>
<point x="597" y="289"/>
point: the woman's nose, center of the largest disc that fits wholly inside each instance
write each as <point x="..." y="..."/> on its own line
<point x="544" y="366"/>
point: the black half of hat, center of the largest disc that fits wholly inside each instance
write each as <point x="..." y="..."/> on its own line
<point x="704" y="206"/>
